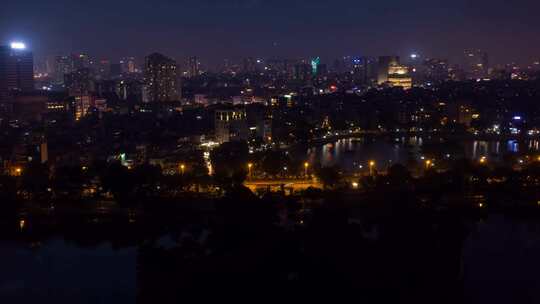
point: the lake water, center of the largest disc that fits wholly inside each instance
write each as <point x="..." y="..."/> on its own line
<point x="354" y="152"/>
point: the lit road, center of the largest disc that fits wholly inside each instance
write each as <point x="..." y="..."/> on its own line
<point x="294" y="184"/>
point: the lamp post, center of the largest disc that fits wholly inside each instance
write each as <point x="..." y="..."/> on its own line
<point x="250" y="165"/>
<point x="371" y="166"/>
<point x="483" y="160"/>
<point x="428" y="164"/>
<point x="182" y="168"/>
<point x="306" y="167"/>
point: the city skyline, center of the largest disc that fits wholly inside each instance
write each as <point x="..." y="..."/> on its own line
<point x="281" y="29"/>
<point x="158" y="151"/>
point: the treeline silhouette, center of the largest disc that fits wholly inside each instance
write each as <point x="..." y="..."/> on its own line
<point x="398" y="238"/>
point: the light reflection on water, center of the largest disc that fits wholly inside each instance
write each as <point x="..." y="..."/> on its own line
<point x="352" y="152"/>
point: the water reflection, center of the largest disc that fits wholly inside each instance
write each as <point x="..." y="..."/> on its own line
<point x="353" y="152"/>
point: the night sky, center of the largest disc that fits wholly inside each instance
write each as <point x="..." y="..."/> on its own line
<point x="214" y="29"/>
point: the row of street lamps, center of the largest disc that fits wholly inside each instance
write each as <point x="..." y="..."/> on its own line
<point x="306" y="167"/>
<point x="428" y="164"/>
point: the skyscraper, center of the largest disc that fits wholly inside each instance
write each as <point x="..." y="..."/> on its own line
<point x="303" y="71"/>
<point x="62" y="65"/>
<point x="230" y="125"/>
<point x="398" y="76"/>
<point x="315" y="62"/>
<point x="79" y="82"/>
<point x="477" y="63"/>
<point x="16" y="70"/>
<point x="384" y="65"/>
<point x="249" y="65"/>
<point x="364" y="69"/>
<point x="128" y="65"/>
<point x="436" y="70"/>
<point x="80" y="61"/>
<point x="161" y="79"/>
<point x="193" y="66"/>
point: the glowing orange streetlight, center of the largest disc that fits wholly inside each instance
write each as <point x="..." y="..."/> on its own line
<point x="182" y="168"/>
<point x="18" y="171"/>
<point x="306" y="167"/>
<point x="250" y="165"/>
<point x="371" y="166"/>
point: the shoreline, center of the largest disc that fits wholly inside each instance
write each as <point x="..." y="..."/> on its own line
<point x="444" y="135"/>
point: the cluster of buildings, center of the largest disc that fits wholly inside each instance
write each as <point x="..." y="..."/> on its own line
<point x="267" y="102"/>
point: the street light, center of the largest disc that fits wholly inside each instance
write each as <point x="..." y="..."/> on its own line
<point x="428" y="164"/>
<point x="250" y="165"/>
<point x="483" y="160"/>
<point x="371" y="165"/>
<point x="306" y="166"/>
<point x="182" y="168"/>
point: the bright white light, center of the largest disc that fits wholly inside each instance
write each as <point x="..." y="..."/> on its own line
<point x="414" y="56"/>
<point x="18" y="45"/>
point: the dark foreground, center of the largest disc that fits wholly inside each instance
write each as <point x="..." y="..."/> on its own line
<point x="275" y="248"/>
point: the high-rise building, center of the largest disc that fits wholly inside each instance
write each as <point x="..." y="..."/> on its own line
<point x="193" y="66"/>
<point x="62" y="65"/>
<point x="16" y="70"/>
<point x="398" y="76"/>
<point x="79" y="82"/>
<point x="129" y="89"/>
<point x="383" y="67"/>
<point x="103" y="70"/>
<point x="303" y="71"/>
<point x="161" y="79"/>
<point x="364" y="69"/>
<point x="82" y="105"/>
<point x="435" y="70"/>
<point x="477" y="63"/>
<point x="249" y="65"/>
<point x="50" y="65"/>
<point x="80" y="61"/>
<point x="128" y="65"/>
<point x="115" y="70"/>
<point x="315" y="62"/>
<point x="231" y="125"/>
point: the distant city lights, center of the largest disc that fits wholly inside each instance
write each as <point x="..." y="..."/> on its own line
<point x="18" y="46"/>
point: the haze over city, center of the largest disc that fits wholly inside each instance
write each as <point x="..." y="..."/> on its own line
<point x="287" y="29"/>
